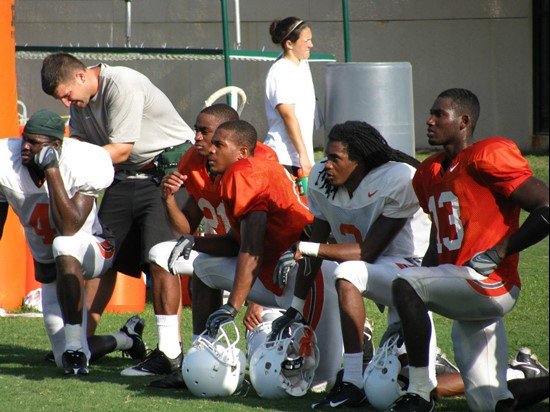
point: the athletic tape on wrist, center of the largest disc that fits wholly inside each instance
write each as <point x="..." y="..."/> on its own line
<point x="309" y="248"/>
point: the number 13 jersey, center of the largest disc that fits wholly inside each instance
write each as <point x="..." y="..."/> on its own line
<point x="469" y="201"/>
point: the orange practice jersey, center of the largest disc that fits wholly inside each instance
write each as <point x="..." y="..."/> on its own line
<point x="468" y="203"/>
<point x="206" y="192"/>
<point x="256" y="184"/>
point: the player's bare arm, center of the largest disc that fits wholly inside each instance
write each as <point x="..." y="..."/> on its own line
<point x="531" y="196"/>
<point x="250" y="257"/>
<point x="187" y="219"/>
<point x="69" y="214"/>
<point x="380" y="235"/>
<point x="217" y="245"/>
<point x="304" y="280"/>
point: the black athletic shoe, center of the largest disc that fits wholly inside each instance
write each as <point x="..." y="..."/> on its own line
<point x="156" y="363"/>
<point x="528" y="363"/>
<point x="411" y="402"/>
<point x="368" y="346"/>
<point x="443" y="365"/>
<point x="75" y="363"/>
<point x="172" y="381"/>
<point x="134" y="329"/>
<point x="345" y="395"/>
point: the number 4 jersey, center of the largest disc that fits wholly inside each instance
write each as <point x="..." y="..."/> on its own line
<point x="85" y="168"/>
<point x="469" y="204"/>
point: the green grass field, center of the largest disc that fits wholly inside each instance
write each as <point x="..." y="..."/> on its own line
<point x="28" y="383"/>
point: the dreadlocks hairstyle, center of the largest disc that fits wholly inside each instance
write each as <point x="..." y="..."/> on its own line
<point x="58" y="68"/>
<point x="463" y="101"/>
<point x="222" y="112"/>
<point x="366" y="145"/>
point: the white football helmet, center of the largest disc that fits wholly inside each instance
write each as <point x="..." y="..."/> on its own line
<point x="381" y="381"/>
<point x="214" y="368"/>
<point x="285" y="366"/>
<point x="258" y="335"/>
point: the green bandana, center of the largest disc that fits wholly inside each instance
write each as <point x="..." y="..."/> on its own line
<point x="45" y="123"/>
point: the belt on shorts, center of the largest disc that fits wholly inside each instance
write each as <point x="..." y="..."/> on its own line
<point x="145" y="172"/>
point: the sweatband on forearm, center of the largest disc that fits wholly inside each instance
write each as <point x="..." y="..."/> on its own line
<point x="309" y="248"/>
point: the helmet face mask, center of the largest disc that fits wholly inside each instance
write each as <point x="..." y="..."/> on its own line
<point x="382" y="383"/>
<point x="215" y="368"/>
<point x="285" y="366"/>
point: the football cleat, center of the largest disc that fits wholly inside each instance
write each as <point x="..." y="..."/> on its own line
<point x="156" y="363"/>
<point x="75" y="362"/>
<point x="134" y="329"/>
<point x="443" y="365"/>
<point x="411" y="402"/>
<point x="344" y="395"/>
<point x="171" y="381"/>
<point x="528" y="363"/>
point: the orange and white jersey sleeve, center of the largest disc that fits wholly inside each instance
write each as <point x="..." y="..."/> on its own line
<point x="468" y="202"/>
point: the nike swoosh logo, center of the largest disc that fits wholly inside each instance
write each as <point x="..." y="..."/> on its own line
<point x="453" y="167"/>
<point x="371" y="194"/>
<point x="536" y="370"/>
<point x="337" y="404"/>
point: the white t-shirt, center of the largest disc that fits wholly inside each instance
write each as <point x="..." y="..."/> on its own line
<point x="128" y="108"/>
<point x="387" y="191"/>
<point x="84" y="168"/>
<point x="287" y="83"/>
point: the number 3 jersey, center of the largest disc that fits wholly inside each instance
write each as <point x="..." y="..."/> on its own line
<point x="469" y="204"/>
<point x="84" y="168"/>
<point x="384" y="191"/>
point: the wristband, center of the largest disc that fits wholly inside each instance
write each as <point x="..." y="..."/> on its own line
<point x="298" y="304"/>
<point x="309" y="248"/>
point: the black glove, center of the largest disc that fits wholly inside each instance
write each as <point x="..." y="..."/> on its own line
<point x="183" y="247"/>
<point x="284" y="322"/>
<point x="485" y="262"/>
<point x="47" y="157"/>
<point x="284" y="266"/>
<point x="224" y="314"/>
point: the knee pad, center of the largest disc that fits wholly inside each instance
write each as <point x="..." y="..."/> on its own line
<point x="355" y="272"/>
<point x="160" y="253"/>
<point x="68" y="246"/>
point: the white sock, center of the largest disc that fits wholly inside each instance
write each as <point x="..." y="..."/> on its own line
<point x="73" y="336"/>
<point x="123" y="341"/>
<point x="53" y="321"/>
<point x="169" y="340"/>
<point x="353" y="368"/>
<point x="419" y="382"/>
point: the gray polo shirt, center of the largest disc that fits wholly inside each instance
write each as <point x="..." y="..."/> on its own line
<point x="128" y="108"/>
